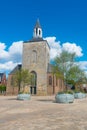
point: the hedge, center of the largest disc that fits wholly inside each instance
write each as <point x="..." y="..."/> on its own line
<point x="2" y="88"/>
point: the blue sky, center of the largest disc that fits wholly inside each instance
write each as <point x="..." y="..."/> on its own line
<point x="63" y="21"/>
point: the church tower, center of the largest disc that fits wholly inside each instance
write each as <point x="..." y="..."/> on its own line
<point x="36" y="59"/>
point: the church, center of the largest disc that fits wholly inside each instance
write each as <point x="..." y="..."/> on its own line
<point x="36" y="58"/>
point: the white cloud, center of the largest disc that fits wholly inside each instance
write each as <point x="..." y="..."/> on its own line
<point x="16" y="48"/>
<point x="7" y="66"/>
<point x="72" y="48"/>
<point x="83" y="65"/>
<point x="55" y="47"/>
<point x="14" y="52"/>
<point x="3" y="53"/>
<point x="11" y="57"/>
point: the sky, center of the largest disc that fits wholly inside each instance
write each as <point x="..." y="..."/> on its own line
<point x="64" y="25"/>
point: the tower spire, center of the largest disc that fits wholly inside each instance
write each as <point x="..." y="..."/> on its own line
<point x="37" y="33"/>
<point x="37" y="24"/>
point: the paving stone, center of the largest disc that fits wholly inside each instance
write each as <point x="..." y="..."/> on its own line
<point x="41" y="113"/>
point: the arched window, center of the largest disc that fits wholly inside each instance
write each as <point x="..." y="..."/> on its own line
<point x="50" y="80"/>
<point x="33" y="87"/>
<point x="34" y="56"/>
<point x="33" y="78"/>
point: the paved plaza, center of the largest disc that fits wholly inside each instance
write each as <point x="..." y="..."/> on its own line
<point x="42" y="113"/>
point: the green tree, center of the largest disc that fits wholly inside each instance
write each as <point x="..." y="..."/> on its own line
<point x="76" y="76"/>
<point x="65" y="68"/>
<point x="21" y="78"/>
<point x="63" y="63"/>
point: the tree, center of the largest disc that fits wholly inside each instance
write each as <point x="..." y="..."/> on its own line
<point x="66" y="68"/>
<point x="21" y="78"/>
<point x="76" y="76"/>
<point x="63" y="63"/>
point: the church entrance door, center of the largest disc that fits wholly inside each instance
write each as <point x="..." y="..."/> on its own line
<point x="33" y="83"/>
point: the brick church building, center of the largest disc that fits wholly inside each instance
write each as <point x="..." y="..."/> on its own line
<point x="36" y="58"/>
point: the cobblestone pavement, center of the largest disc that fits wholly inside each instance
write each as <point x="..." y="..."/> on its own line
<point x="42" y="113"/>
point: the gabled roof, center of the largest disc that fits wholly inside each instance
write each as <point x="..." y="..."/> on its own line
<point x="18" y="67"/>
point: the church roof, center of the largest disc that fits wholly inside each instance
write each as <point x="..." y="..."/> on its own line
<point x="18" y="67"/>
<point x="37" y="25"/>
<point x="36" y="39"/>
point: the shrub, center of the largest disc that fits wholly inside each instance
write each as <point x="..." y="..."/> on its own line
<point x="2" y="88"/>
<point x="66" y="92"/>
<point x="62" y="92"/>
<point x="22" y="92"/>
<point x="78" y="91"/>
<point x="69" y="91"/>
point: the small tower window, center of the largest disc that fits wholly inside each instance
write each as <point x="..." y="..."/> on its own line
<point x="39" y="32"/>
<point x="36" y="31"/>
